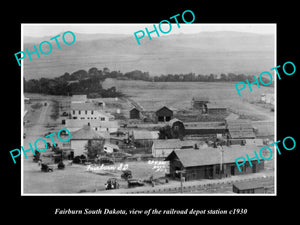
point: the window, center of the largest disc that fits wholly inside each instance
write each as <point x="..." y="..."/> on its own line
<point x="79" y="112"/>
<point x="92" y="112"/>
<point x="102" y="118"/>
<point x="85" y="112"/>
<point x="73" y="112"/>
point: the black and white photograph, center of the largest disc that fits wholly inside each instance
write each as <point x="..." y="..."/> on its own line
<point x="141" y="109"/>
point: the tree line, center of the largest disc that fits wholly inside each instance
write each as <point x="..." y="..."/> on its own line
<point x="89" y="82"/>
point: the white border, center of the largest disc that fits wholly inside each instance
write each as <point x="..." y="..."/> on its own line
<point x="163" y="194"/>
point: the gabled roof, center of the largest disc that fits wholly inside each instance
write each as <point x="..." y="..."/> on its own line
<point x="212" y="156"/>
<point x="248" y="185"/>
<point x="86" y="133"/>
<point x="240" y="129"/>
<point x="164" y="108"/>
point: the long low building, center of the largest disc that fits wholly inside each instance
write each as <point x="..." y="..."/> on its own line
<point x="162" y="148"/>
<point x="210" y="163"/>
<point x="96" y="125"/>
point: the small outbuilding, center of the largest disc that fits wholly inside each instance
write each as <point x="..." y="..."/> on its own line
<point x="164" y="114"/>
<point x="240" y="129"/>
<point x="134" y="113"/>
<point x="200" y="103"/>
<point x="248" y="187"/>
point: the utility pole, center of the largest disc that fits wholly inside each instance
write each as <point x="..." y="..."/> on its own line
<point x="181" y="179"/>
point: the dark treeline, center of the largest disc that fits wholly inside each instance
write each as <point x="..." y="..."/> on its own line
<point x="79" y="82"/>
<point x="89" y="82"/>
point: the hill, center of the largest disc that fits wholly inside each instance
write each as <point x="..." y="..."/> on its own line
<point x="201" y="53"/>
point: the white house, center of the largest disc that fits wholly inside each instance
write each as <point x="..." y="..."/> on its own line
<point x="80" y="138"/>
<point x="90" y="111"/>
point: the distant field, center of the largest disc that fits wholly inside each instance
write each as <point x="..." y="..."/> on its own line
<point x="178" y="95"/>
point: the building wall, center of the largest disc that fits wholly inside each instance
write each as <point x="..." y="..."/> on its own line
<point x="78" y="146"/>
<point x="217" y="110"/>
<point x="164" y="114"/>
<point x="89" y="114"/>
<point x="99" y="126"/>
<point x="161" y="152"/>
<point x="134" y="114"/>
<point x="214" y="171"/>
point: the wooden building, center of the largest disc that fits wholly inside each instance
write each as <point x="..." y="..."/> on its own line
<point x="200" y="103"/>
<point x="240" y="129"/>
<point x="164" y="114"/>
<point x="248" y="187"/>
<point x="134" y="113"/>
<point x="205" y="129"/>
<point x="213" y="108"/>
<point x="211" y="163"/>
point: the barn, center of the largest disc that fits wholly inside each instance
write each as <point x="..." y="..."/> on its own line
<point x="164" y="114"/>
<point x="211" y="163"/>
<point x="134" y="113"/>
<point x="177" y="128"/>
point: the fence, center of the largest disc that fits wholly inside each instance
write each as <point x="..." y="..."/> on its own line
<point x="193" y="187"/>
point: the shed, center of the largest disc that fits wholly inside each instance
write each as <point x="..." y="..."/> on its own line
<point x="210" y="163"/>
<point x="238" y="129"/>
<point x="164" y="114"/>
<point x="216" y="109"/>
<point x="248" y="187"/>
<point x="200" y="103"/>
<point x="134" y="113"/>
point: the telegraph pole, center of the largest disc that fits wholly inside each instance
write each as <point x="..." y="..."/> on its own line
<point x="181" y="179"/>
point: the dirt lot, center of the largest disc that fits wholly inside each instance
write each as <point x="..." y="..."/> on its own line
<point x="77" y="178"/>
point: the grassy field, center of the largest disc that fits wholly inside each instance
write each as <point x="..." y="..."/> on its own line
<point x="178" y="95"/>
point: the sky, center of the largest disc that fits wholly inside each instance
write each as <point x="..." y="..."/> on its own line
<point x="40" y="30"/>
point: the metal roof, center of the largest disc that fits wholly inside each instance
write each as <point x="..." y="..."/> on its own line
<point x="240" y="129"/>
<point x="212" y="156"/>
<point x="86" y="133"/>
